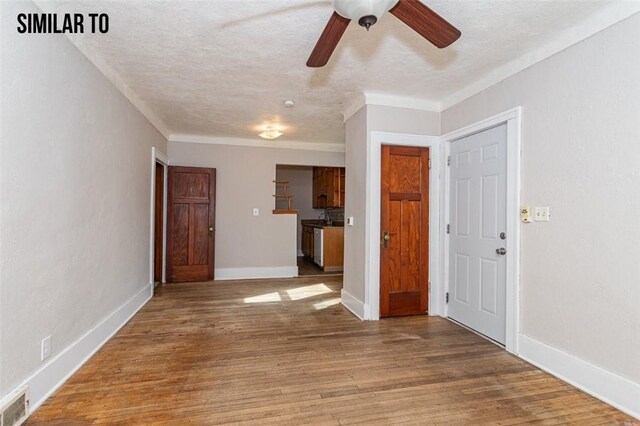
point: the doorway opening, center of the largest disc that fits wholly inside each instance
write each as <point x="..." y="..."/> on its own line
<point x="158" y="218"/>
<point x="371" y="308"/>
<point x="316" y="195"/>
<point x="158" y="224"/>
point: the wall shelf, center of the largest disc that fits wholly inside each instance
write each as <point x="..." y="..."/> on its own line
<point x="284" y="194"/>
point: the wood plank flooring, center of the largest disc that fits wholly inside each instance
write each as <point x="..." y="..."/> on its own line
<point x="307" y="267"/>
<point x="286" y="352"/>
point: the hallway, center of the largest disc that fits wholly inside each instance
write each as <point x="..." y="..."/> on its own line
<point x="286" y="352"/>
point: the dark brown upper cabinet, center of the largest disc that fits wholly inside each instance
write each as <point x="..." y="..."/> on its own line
<point x="328" y="187"/>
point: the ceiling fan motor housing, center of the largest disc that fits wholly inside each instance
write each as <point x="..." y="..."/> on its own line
<point x="365" y="12"/>
<point x="367" y="21"/>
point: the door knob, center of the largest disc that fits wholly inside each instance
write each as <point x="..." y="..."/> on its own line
<point x="502" y="251"/>
<point x="211" y="229"/>
<point x="385" y="239"/>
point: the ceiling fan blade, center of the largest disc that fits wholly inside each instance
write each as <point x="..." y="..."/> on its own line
<point x="328" y="40"/>
<point x="426" y="22"/>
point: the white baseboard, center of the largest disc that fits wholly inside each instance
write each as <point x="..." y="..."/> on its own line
<point x="252" y="273"/>
<point x="55" y="372"/>
<point x="602" y="384"/>
<point x="356" y="307"/>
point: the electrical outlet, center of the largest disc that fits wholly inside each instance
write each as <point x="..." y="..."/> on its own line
<point x="45" y="348"/>
<point x="256" y="212"/>
<point x="525" y="214"/>
<point x="350" y="221"/>
<point x="542" y="214"/>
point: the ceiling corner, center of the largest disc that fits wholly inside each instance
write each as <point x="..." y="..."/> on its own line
<point x="607" y="17"/>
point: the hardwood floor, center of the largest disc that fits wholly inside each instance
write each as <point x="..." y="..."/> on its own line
<point x="307" y="267"/>
<point x="286" y="352"/>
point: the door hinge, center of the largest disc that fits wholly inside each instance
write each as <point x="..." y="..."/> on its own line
<point x="429" y="162"/>
<point x="447" y="298"/>
<point x="448" y="229"/>
<point x="429" y="287"/>
<point x="448" y="160"/>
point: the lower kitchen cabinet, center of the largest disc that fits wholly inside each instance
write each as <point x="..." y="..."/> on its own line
<point x="332" y="246"/>
<point x="307" y="241"/>
<point x="333" y="249"/>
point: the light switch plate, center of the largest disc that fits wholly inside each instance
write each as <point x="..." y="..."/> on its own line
<point x="350" y="221"/>
<point x="542" y="214"/>
<point x="45" y="348"/>
<point x="256" y="212"/>
<point x="525" y="214"/>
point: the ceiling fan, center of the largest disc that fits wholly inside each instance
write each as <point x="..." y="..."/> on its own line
<point x="414" y="13"/>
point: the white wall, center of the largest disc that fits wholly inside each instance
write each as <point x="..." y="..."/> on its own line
<point x="355" y="206"/>
<point x="301" y="187"/>
<point x="75" y="172"/>
<point x="402" y="120"/>
<point x="581" y="156"/>
<point x="358" y="130"/>
<point x="245" y="177"/>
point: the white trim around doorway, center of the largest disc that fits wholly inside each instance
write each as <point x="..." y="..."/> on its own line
<point x="513" y="119"/>
<point x="158" y="157"/>
<point x="372" y="227"/>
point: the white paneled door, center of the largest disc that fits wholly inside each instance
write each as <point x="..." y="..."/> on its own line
<point x="477" y="234"/>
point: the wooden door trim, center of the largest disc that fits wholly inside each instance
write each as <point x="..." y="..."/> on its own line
<point x="170" y="212"/>
<point x="513" y="119"/>
<point x="370" y="309"/>
<point x="158" y="157"/>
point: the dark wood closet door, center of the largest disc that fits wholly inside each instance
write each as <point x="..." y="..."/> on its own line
<point x="191" y="224"/>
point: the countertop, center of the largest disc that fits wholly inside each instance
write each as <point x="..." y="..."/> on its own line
<point x="318" y="223"/>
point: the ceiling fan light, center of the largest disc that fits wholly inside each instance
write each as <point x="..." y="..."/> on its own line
<point x="270" y="134"/>
<point x="356" y="9"/>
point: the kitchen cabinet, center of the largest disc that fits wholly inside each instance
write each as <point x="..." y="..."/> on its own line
<point x="332" y="245"/>
<point x="328" y="187"/>
<point x="307" y="242"/>
<point x="332" y="249"/>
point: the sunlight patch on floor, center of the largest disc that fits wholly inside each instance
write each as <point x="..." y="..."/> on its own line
<point x="326" y="303"/>
<point x="264" y="298"/>
<point x="308" y="291"/>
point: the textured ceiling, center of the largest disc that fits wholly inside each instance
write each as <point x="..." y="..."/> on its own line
<point x="223" y="67"/>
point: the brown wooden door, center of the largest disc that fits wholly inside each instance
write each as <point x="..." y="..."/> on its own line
<point x="404" y="254"/>
<point x="190" y="224"/>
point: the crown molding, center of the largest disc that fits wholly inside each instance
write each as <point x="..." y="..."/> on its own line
<point x="115" y="79"/>
<point x="382" y="99"/>
<point x="113" y="76"/>
<point x="359" y="102"/>
<point x="285" y="144"/>
<point x="608" y="16"/>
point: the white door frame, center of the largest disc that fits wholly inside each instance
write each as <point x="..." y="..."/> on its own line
<point x="158" y="157"/>
<point x="513" y="119"/>
<point x="372" y="258"/>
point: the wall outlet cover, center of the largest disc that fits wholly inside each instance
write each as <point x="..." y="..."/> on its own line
<point x="350" y="221"/>
<point x="256" y="212"/>
<point x="525" y="214"/>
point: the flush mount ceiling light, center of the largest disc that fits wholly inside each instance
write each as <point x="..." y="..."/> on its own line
<point x="270" y="133"/>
